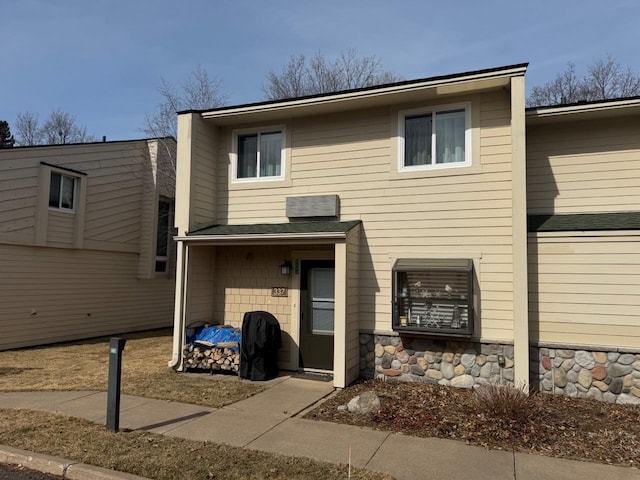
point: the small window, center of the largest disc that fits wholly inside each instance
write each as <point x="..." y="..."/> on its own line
<point x="259" y="155"/>
<point x="62" y="191"/>
<point x="163" y="238"/>
<point x="436" y="138"/>
<point x="433" y="296"/>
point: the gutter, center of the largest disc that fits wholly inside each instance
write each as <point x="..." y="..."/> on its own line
<point x="261" y="236"/>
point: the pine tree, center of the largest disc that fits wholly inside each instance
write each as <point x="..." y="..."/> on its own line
<point x="6" y="139"/>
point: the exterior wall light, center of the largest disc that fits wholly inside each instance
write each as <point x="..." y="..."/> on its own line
<point x="285" y="268"/>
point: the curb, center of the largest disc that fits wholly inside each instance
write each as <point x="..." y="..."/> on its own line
<point x="67" y="469"/>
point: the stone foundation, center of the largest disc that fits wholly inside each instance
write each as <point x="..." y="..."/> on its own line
<point x="606" y="376"/>
<point x="446" y="362"/>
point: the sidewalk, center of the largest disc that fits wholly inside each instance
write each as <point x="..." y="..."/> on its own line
<point x="269" y="422"/>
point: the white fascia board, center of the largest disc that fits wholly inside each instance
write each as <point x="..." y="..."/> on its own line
<point x="261" y="236"/>
<point x="364" y="94"/>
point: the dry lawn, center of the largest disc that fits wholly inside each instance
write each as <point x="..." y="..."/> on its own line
<point x="84" y="365"/>
<point x="154" y="456"/>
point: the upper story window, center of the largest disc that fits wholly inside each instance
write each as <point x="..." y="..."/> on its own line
<point x="434" y="138"/>
<point x="62" y="191"/>
<point x="258" y="155"/>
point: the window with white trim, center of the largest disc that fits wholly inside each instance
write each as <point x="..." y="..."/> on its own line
<point x="433" y="138"/>
<point x="62" y="191"/>
<point x="258" y="155"/>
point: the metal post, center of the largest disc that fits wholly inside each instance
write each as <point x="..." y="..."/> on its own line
<point x="116" y="346"/>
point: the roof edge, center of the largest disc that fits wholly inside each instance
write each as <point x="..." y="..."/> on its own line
<point x="97" y="142"/>
<point x="513" y="70"/>
<point x="583" y="107"/>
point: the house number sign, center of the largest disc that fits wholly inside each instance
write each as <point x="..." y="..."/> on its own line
<point x="278" y="291"/>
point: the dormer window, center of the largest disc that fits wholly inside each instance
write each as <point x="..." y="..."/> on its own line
<point x="62" y="191"/>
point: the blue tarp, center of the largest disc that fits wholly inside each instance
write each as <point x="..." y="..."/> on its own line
<point x="216" y="334"/>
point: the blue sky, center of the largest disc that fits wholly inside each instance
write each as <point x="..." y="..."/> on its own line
<point x="102" y="60"/>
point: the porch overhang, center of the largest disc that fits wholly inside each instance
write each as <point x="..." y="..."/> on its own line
<point x="271" y="233"/>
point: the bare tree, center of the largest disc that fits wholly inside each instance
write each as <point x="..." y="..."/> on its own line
<point x="199" y="91"/>
<point x="300" y="78"/>
<point x="61" y="128"/>
<point x="605" y="79"/>
<point x="27" y="128"/>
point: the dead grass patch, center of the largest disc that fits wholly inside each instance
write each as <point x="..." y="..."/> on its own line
<point x="155" y="456"/>
<point x="84" y="365"/>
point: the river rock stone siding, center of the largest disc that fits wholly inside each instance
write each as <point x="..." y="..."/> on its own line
<point x="445" y="362"/>
<point x="606" y="376"/>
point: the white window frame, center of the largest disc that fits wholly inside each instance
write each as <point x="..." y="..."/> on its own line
<point x="403" y="114"/>
<point x="75" y="180"/>
<point x="257" y="131"/>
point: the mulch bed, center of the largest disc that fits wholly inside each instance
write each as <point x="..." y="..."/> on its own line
<point x="553" y="425"/>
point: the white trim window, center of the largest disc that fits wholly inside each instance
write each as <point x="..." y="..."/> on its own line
<point x="258" y="154"/>
<point x="434" y="138"/>
<point x="62" y="191"/>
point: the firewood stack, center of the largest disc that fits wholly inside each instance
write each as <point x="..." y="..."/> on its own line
<point x="205" y="356"/>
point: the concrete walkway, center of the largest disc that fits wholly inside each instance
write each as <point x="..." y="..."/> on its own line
<point x="269" y="422"/>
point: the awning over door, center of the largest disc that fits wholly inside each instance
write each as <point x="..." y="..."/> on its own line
<point x="291" y="231"/>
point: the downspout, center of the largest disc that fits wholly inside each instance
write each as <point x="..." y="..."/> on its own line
<point x="179" y="308"/>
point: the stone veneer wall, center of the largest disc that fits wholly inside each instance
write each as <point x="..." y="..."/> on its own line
<point x="446" y="362"/>
<point x="606" y="376"/>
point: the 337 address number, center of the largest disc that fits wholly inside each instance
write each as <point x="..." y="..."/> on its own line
<point x="278" y="291"/>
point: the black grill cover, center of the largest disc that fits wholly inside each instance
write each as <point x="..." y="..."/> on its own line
<point x="259" y="347"/>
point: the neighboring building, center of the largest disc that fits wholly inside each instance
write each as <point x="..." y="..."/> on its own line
<point x="402" y="210"/>
<point x="85" y="240"/>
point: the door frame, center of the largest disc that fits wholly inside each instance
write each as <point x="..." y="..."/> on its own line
<point x="298" y="256"/>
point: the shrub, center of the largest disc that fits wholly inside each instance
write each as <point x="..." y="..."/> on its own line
<point x="503" y="402"/>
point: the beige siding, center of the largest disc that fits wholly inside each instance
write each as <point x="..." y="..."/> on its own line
<point x="353" y="306"/>
<point x="60" y="229"/>
<point x="460" y="213"/>
<point x="18" y="198"/>
<point x="587" y="166"/>
<point x="55" y="294"/>
<point x="584" y="290"/>
<point x="85" y="276"/>
<point x="203" y="176"/>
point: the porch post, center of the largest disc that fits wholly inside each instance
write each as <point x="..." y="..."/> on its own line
<point x="520" y="277"/>
<point x="340" y="317"/>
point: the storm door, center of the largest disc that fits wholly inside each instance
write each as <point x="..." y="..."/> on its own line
<point x="317" y="305"/>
